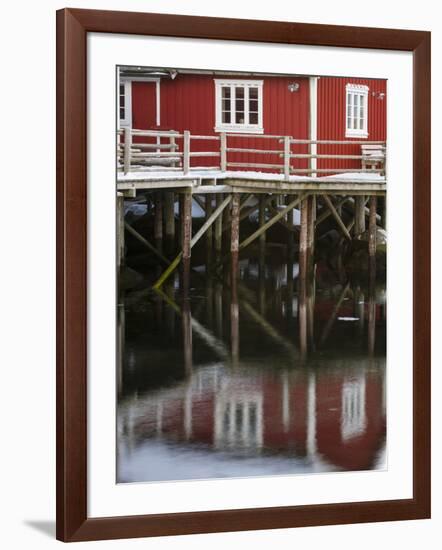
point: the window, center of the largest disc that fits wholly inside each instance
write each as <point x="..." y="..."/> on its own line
<point x="125" y="103"/>
<point x="239" y="106"/>
<point x="357" y="111"/>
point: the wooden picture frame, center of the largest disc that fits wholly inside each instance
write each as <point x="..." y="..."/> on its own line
<point x="73" y="523"/>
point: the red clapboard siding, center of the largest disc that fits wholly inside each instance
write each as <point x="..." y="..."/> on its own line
<point x="332" y="118"/>
<point x="188" y="103"/>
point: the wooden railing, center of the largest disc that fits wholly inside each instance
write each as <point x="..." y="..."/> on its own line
<point x="160" y="150"/>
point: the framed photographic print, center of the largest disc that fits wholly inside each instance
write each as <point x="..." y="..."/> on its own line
<point x="243" y="274"/>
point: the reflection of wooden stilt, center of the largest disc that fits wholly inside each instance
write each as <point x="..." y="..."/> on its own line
<point x="169" y="222"/>
<point x="311" y="297"/>
<point x="219" y="309"/>
<point x="334" y="314"/>
<point x="186" y="221"/>
<point x="121" y="338"/>
<point x="187" y="336"/>
<point x="209" y="301"/>
<point x="169" y="312"/>
<point x="359" y="309"/>
<point x="372" y="312"/>
<point x="234" y="324"/>
<point x="158" y="222"/>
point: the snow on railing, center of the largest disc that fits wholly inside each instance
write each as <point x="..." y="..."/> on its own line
<point x="149" y="150"/>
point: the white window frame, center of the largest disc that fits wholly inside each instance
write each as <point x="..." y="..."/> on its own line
<point x="125" y="122"/>
<point x="246" y="128"/>
<point x="361" y="91"/>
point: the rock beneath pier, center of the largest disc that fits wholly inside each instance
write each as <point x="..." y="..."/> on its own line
<point x="357" y="256"/>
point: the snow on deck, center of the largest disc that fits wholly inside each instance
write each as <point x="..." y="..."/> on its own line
<point x="196" y="174"/>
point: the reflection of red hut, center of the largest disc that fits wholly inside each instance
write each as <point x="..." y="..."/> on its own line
<point x="330" y="416"/>
<point x="350" y="420"/>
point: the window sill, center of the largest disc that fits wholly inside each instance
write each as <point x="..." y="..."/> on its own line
<point x="353" y="134"/>
<point x="239" y="129"/>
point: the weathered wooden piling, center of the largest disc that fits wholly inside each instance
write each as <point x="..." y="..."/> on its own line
<point x="209" y="233"/>
<point x="302" y="278"/>
<point x="120" y="230"/>
<point x="169" y="222"/>
<point x="186" y="223"/>
<point x="359" y="226"/>
<point x="262" y="237"/>
<point x="303" y="241"/>
<point x="218" y="230"/>
<point x="311" y="218"/>
<point x="372" y="231"/>
<point x="234" y="238"/>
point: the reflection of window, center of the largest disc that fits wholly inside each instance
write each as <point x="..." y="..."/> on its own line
<point x="239" y="106"/>
<point x="125" y="103"/>
<point x="238" y="420"/>
<point x="356" y="111"/>
<point x="353" y="420"/>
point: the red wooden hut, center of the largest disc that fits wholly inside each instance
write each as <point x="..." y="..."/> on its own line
<point x="249" y="107"/>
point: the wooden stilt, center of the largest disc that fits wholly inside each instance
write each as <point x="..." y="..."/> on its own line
<point x="302" y="278"/>
<point x="372" y="231"/>
<point x="218" y="229"/>
<point x="359" y="226"/>
<point x="169" y="222"/>
<point x="120" y="230"/>
<point x="311" y="218"/>
<point x="186" y="221"/>
<point x="262" y="237"/>
<point x="158" y="222"/>
<point x="209" y="233"/>
<point x="234" y="238"/>
<point x="303" y="240"/>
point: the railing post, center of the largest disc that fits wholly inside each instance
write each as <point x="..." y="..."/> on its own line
<point x="127" y="149"/>
<point x="287" y="157"/>
<point x="186" y="151"/>
<point x="223" y="152"/>
<point x="172" y="144"/>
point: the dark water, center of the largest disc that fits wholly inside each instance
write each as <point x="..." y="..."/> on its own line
<point x="265" y="385"/>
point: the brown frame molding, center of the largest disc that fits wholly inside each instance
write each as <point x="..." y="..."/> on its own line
<point x="72" y="28"/>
